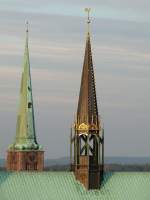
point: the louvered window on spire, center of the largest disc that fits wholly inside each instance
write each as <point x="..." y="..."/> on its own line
<point x="29" y="105"/>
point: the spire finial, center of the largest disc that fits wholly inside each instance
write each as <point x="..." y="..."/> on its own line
<point x="27" y="26"/>
<point x="27" y="33"/>
<point x="88" y="18"/>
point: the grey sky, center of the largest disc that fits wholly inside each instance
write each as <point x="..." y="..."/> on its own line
<point x="121" y="54"/>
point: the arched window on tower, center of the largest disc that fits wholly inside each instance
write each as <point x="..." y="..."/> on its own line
<point x="29" y="105"/>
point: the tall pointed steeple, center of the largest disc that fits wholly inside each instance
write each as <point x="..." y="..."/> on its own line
<point x="25" y="139"/>
<point x="88" y="138"/>
<point x="25" y="131"/>
<point x="87" y="106"/>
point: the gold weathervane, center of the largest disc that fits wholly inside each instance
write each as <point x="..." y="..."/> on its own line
<point x="88" y="17"/>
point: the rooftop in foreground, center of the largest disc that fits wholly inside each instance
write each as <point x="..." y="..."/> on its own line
<point x="62" y="185"/>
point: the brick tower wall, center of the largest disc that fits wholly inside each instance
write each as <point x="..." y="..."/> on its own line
<point x="25" y="160"/>
<point x="87" y="172"/>
<point x="81" y="171"/>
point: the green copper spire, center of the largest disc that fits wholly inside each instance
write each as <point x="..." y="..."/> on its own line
<point x="25" y="130"/>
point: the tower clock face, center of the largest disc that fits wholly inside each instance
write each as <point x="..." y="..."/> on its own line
<point x="14" y="158"/>
<point x="31" y="157"/>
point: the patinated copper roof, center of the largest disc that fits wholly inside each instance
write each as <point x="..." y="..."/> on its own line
<point x="63" y="186"/>
<point x="25" y="129"/>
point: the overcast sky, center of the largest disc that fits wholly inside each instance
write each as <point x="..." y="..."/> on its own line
<point x="121" y="55"/>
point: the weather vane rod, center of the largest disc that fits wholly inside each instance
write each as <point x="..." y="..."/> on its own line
<point x="88" y="18"/>
<point x="27" y="26"/>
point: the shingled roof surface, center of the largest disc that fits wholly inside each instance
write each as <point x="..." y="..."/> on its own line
<point x="63" y="186"/>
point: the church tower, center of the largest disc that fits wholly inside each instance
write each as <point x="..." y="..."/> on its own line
<point x="25" y="153"/>
<point x="87" y="133"/>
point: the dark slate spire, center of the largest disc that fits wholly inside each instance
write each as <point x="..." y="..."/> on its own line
<point x="87" y="111"/>
<point x="87" y="140"/>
